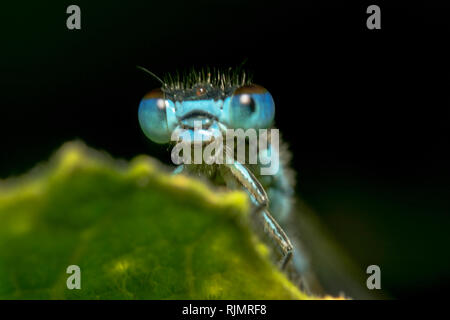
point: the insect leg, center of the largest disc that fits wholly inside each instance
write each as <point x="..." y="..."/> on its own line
<point x="259" y="198"/>
<point x="178" y="169"/>
<point x="278" y="234"/>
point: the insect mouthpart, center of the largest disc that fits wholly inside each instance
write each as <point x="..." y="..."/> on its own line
<point x="197" y="118"/>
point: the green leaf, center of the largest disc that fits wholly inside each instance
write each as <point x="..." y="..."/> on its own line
<point x="135" y="231"/>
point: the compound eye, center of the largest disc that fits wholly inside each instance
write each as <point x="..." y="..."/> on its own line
<point x="153" y="117"/>
<point x="251" y="106"/>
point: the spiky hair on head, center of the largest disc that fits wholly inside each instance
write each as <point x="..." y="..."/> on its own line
<point x="215" y="77"/>
<point x="204" y="83"/>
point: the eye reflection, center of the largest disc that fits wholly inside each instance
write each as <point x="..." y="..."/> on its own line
<point x="245" y="99"/>
<point x="161" y="104"/>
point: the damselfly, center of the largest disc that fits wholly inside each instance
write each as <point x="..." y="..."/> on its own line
<point x="220" y="101"/>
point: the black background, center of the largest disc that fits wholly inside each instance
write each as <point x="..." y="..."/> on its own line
<point x="365" y="112"/>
